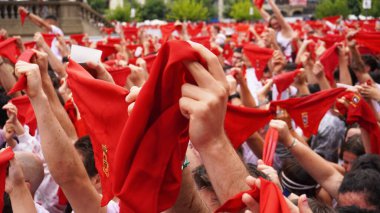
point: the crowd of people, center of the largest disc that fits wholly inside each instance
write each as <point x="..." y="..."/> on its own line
<point x="271" y="116"/>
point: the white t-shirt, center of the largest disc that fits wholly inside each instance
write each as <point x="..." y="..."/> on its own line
<point x="56" y="30"/>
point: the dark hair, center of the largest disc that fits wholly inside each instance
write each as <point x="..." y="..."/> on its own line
<point x="270" y="20"/>
<point x="84" y="147"/>
<point x="3" y="100"/>
<point x="364" y="181"/>
<point x="317" y="206"/>
<point x="52" y="17"/>
<point x="353" y="209"/>
<point x="292" y="172"/>
<point x="370" y="61"/>
<point x="238" y="50"/>
<point x="367" y="161"/>
<point x="354" y="144"/>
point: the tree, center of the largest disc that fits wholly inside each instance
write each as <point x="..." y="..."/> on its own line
<point x="119" y="13"/>
<point x="189" y="10"/>
<point x="153" y="9"/>
<point x="332" y="8"/>
<point x="98" y="5"/>
<point x="240" y="11"/>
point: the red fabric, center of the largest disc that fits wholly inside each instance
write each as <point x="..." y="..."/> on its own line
<point x="107" y="50"/>
<point x="113" y="40"/>
<point x="78" y="38"/>
<point x="9" y="49"/>
<point x="284" y="80"/>
<point x="48" y="37"/>
<point x="21" y="84"/>
<point x="104" y="122"/>
<point x="258" y="57"/>
<point x="369" y="40"/>
<point x="259" y="4"/>
<point x="149" y="61"/>
<point x="361" y="112"/>
<point x="269" y="196"/>
<point x="330" y="60"/>
<point x="308" y="111"/>
<point x="270" y="144"/>
<point x="62" y="200"/>
<point x="329" y="39"/>
<point x="311" y="47"/>
<point x="193" y="31"/>
<point x="119" y="75"/>
<point x="166" y="31"/>
<point x="29" y="44"/>
<point x="204" y="40"/>
<point x="130" y="33"/>
<point x="5" y="156"/>
<point x="80" y="127"/>
<point x="108" y="30"/>
<point x="331" y="19"/>
<point x="23" y="15"/>
<point x="242" y="28"/>
<point x="25" y="112"/>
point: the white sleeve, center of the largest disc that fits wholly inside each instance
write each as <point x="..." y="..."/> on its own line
<point x="28" y="143"/>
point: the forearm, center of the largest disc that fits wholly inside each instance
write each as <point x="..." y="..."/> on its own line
<point x="323" y="172"/>
<point x="55" y="63"/>
<point x="38" y="21"/>
<point x="303" y="90"/>
<point x="221" y="159"/>
<point x="256" y="144"/>
<point x="246" y="96"/>
<point x="323" y="83"/>
<point x="21" y="199"/>
<point x="344" y="73"/>
<point x="188" y="199"/>
<point x="7" y="79"/>
<point x="264" y="14"/>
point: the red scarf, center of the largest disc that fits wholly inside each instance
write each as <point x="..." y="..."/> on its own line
<point x="9" y="49"/>
<point x="23" y="15"/>
<point x="259" y="4"/>
<point x="270" y="146"/>
<point x="269" y="196"/>
<point x="5" y="156"/>
<point x="330" y="60"/>
<point x="371" y="40"/>
<point x="258" y="57"/>
<point x="119" y="75"/>
<point x="284" y="80"/>
<point x="78" y="38"/>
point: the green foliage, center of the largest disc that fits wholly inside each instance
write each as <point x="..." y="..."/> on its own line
<point x="355" y="7"/>
<point x="119" y="13"/>
<point x="98" y="5"/>
<point x="375" y="9"/>
<point x="189" y="10"/>
<point x="332" y="8"/>
<point x="240" y="11"/>
<point x="153" y="9"/>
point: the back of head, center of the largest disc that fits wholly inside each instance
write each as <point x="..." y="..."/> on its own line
<point x="367" y="161"/>
<point x="354" y="145"/>
<point x="353" y="209"/>
<point x="296" y="180"/>
<point x="32" y="168"/>
<point x="361" y="187"/>
<point x="84" y="147"/>
<point x="317" y="206"/>
<point x="3" y="113"/>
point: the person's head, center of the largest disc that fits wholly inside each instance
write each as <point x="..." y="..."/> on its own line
<point x="51" y="19"/>
<point x="84" y="148"/>
<point x="351" y="150"/>
<point x="371" y="64"/>
<point x="317" y="206"/>
<point x="3" y="113"/>
<point x="367" y="161"/>
<point x="353" y="209"/>
<point x="296" y="180"/>
<point x="32" y="168"/>
<point x="361" y="188"/>
<point x="205" y="188"/>
<point x="273" y="23"/>
<point x="237" y="56"/>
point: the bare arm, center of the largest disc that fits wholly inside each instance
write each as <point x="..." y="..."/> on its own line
<point x="320" y="76"/>
<point x="7" y="78"/>
<point x="38" y="21"/>
<point x="286" y="29"/>
<point x="56" y="106"/>
<point x="344" y="73"/>
<point x="321" y="170"/>
<point x="264" y="14"/>
<point x="64" y="163"/>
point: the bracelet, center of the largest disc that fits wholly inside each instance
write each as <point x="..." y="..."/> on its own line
<point x="65" y="59"/>
<point x="235" y="95"/>
<point x="28" y="13"/>
<point x="294" y="143"/>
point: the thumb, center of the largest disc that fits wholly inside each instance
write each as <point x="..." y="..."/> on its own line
<point x="303" y="204"/>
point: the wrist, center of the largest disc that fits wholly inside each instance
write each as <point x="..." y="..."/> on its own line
<point x="214" y="145"/>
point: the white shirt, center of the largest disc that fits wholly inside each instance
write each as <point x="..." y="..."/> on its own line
<point x="56" y="30"/>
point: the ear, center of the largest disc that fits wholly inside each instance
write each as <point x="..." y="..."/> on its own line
<point x="28" y="185"/>
<point x="96" y="182"/>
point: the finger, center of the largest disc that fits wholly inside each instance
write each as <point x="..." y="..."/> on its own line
<point x="303" y="204"/>
<point x="199" y="73"/>
<point x="133" y="93"/>
<point x="250" y="181"/>
<point x="250" y="202"/>
<point x="187" y="106"/>
<point x="194" y="92"/>
<point x="130" y="108"/>
<point x="214" y="67"/>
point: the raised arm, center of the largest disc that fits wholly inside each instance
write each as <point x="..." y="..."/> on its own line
<point x="344" y="73"/>
<point x="286" y="29"/>
<point x="7" y="78"/>
<point x="205" y="106"/>
<point x="64" y="163"/>
<point x="38" y="21"/>
<point x="321" y="170"/>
